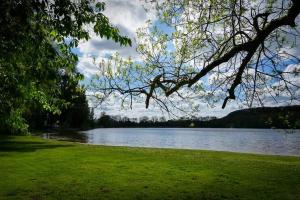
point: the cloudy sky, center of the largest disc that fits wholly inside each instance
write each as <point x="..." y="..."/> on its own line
<point x="128" y="16"/>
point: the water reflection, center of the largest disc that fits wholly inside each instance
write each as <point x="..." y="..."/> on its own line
<point x="67" y="136"/>
<point x="264" y="141"/>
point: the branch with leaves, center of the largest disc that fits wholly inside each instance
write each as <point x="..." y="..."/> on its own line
<point x="239" y="42"/>
<point x="36" y="38"/>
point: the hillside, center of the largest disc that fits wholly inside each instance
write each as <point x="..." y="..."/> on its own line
<point x="262" y="117"/>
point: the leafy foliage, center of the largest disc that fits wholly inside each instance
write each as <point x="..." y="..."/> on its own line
<point x="36" y="37"/>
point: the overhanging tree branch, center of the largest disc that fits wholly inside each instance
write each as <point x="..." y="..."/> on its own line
<point x="215" y="38"/>
<point x="288" y="20"/>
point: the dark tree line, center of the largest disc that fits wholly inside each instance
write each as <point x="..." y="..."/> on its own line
<point x="265" y="117"/>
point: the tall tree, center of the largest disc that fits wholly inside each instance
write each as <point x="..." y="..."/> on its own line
<point x="216" y="49"/>
<point x="36" y="37"/>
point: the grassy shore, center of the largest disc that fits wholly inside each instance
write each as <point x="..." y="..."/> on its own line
<point x="33" y="168"/>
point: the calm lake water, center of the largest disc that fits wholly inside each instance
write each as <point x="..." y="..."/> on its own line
<point x="265" y="141"/>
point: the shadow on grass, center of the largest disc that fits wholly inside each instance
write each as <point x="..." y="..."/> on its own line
<point x="8" y="145"/>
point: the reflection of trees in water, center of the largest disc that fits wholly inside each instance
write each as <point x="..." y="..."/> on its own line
<point x="67" y="136"/>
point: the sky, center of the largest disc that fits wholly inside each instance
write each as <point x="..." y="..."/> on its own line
<point x="128" y="16"/>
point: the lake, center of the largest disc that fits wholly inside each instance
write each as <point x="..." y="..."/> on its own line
<point x="264" y="141"/>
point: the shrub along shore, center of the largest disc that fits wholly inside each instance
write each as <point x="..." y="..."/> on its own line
<point x="34" y="168"/>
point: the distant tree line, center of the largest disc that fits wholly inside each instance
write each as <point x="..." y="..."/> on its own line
<point x="264" y="117"/>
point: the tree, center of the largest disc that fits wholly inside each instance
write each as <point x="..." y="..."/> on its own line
<point x="211" y="49"/>
<point x="36" y="38"/>
<point x="76" y="114"/>
<point x="105" y="121"/>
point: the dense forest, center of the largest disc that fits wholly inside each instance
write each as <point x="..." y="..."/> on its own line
<point x="262" y="117"/>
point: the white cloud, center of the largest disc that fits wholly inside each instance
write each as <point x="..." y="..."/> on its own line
<point x="127" y="16"/>
<point x="87" y="66"/>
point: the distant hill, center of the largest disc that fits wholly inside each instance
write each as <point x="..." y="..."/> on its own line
<point x="262" y="117"/>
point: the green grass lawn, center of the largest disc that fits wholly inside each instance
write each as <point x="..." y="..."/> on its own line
<point x="34" y="168"/>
